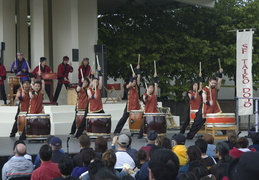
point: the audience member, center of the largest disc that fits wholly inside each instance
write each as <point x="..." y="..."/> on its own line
<point x="94" y="168"/>
<point x="47" y="169"/>
<point x="56" y="145"/>
<point x="179" y="148"/>
<point x="141" y="158"/>
<point x="18" y="166"/>
<point x="84" y="144"/>
<point x="255" y="140"/>
<point x="27" y="156"/>
<point x="104" y="174"/>
<point x="100" y="146"/>
<point x="66" y="166"/>
<point x="231" y="139"/>
<point x="151" y="137"/>
<point x="242" y="146"/>
<point x="211" y="147"/>
<point x="163" y="165"/>
<point x="209" y="177"/>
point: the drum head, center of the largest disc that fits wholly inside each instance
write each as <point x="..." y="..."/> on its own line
<point x="98" y="114"/>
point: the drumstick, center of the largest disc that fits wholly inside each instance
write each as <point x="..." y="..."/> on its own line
<point x="21" y="85"/>
<point x="39" y="69"/>
<point x="146" y="85"/>
<point x="27" y="64"/>
<point x="200" y="66"/>
<point x="138" y="59"/>
<point x="97" y="60"/>
<point x="155" y="66"/>
<point x="219" y="63"/>
<point x="132" y="69"/>
<point x="81" y="73"/>
<point x="210" y="94"/>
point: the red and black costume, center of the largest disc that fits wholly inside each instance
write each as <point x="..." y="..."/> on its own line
<point x="95" y="104"/>
<point x="86" y="70"/>
<point x="36" y="106"/>
<point x="45" y="69"/>
<point x="2" y="78"/>
<point x="151" y="103"/>
<point x="63" y="71"/>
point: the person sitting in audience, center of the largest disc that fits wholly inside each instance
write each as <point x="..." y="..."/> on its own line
<point x="163" y="142"/>
<point x="231" y="139"/>
<point x="141" y="158"/>
<point x="66" y="166"/>
<point x="222" y="152"/>
<point x="163" y="165"/>
<point x="94" y="168"/>
<point x="151" y="137"/>
<point x="242" y="146"/>
<point x="202" y="145"/>
<point x="211" y="147"/>
<point x="27" y="156"/>
<point x="179" y="148"/>
<point x="255" y="140"/>
<point x="18" y="166"/>
<point x="88" y="156"/>
<point x="100" y="146"/>
<point x="47" y="169"/>
<point x="84" y="144"/>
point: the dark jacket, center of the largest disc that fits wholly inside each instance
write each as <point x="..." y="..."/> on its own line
<point x="78" y="159"/>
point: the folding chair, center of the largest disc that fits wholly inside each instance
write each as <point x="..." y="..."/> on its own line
<point x="116" y="88"/>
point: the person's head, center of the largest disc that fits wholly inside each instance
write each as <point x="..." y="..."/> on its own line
<point x="18" y="142"/>
<point x="130" y="140"/>
<point x="65" y="59"/>
<point x="150" y="88"/>
<point x="109" y="159"/>
<point x="45" y="152"/>
<point x="163" y="165"/>
<point x="49" y="139"/>
<point x="134" y="82"/>
<point x="213" y="82"/>
<point x="123" y="141"/>
<point x="188" y="176"/>
<point x="179" y="139"/>
<point x="20" y="55"/>
<point x="222" y="152"/>
<point x="88" y="155"/>
<point x="255" y="138"/>
<point x="141" y="156"/>
<point x="159" y="140"/>
<point x="85" y="62"/>
<point x="209" y="177"/>
<point x="66" y="165"/>
<point x="242" y="142"/>
<point x="37" y="85"/>
<point x="151" y="136"/>
<point x="95" y="167"/>
<point x="167" y="143"/>
<point x="43" y="61"/>
<point x="84" y="141"/>
<point x="200" y="170"/>
<point x="20" y="150"/>
<point x="86" y="82"/>
<point x="26" y="85"/>
<point x="202" y="145"/>
<point x="193" y="153"/>
<point x="208" y="138"/>
<point x="100" y="144"/>
<point x="104" y="174"/>
<point x="95" y="82"/>
<point x="195" y="86"/>
<point x="231" y="136"/>
<point x="56" y="143"/>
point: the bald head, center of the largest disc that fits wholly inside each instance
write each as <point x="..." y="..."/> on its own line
<point x="20" y="150"/>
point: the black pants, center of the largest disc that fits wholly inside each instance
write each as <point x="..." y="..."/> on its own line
<point x="3" y="94"/>
<point x="47" y="89"/>
<point x="186" y="122"/>
<point x="81" y="127"/>
<point x="197" y="124"/>
<point x="58" y="89"/>
<point x="122" y="121"/>
<point x="15" y="129"/>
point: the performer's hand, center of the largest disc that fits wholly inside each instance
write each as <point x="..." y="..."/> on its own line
<point x="82" y="79"/>
<point x="155" y="74"/>
<point x="65" y="79"/>
<point x="138" y="66"/>
<point x="0" y="78"/>
<point x="211" y="102"/>
<point x="99" y="68"/>
<point x="114" y="140"/>
<point x="18" y="73"/>
<point x="221" y="70"/>
<point x="24" y="70"/>
<point x="133" y="74"/>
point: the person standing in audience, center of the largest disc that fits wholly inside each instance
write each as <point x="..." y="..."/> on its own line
<point x="18" y="166"/>
<point x="2" y="78"/>
<point x="47" y="169"/>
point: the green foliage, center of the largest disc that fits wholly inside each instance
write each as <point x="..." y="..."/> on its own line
<point x="178" y="39"/>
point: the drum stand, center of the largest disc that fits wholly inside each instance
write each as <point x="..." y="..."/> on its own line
<point x="213" y="130"/>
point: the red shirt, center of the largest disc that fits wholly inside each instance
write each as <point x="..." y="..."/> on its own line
<point x="25" y="101"/>
<point x="196" y="102"/>
<point x="2" y="74"/>
<point x="133" y="99"/>
<point x="63" y="70"/>
<point x="86" y="70"/>
<point x="82" y="99"/>
<point x="45" y="69"/>
<point x="215" y="108"/>
<point x="151" y="104"/>
<point x="36" y="104"/>
<point x="47" y="170"/>
<point x="95" y="105"/>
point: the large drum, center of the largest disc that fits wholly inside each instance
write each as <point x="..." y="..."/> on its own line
<point x="37" y="126"/>
<point x="21" y="122"/>
<point x="98" y="124"/>
<point x="154" y="121"/>
<point x="79" y="118"/>
<point x="135" y="120"/>
<point x="220" y="119"/>
<point x="193" y="115"/>
<point x="13" y="80"/>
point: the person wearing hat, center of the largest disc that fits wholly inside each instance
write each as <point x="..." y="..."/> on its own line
<point x="121" y="155"/>
<point x="179" y="148"/>
<point x="151" y="137"/>
<point x="84" y="69"/>
<point x="43" y="68"/>
<point x="63" y="70"/>
<point x="56" y="145"/>
<point x="2" y="78"/>
<point x="255" y="140"/>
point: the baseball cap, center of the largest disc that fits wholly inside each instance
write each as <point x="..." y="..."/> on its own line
<point x="180" y="139"/>
<point x="152" y="135"/>
<point x="123" y="140"/>
<point x="56" y="141"/>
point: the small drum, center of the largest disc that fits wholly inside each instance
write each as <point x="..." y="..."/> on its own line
<point x="135" y="120"/>
<point x="13" y="80"/>
<point x="79" y="118"/>
<point x="37" y="126"/>
<point x="220" y="119"/>
<point x="21" y="122"/>
<point x="155" y="121"/>
<point x="98" y="124"/>
<point x="193" y="115"/>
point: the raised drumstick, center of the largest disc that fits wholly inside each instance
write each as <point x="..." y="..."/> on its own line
<point x="146" y="85"/>
<point x="98" y="64"/>
<point x="155" y="66"/>
<point x="138" y="59"/>
<point x="200" y="66"/>
<point x="219" y="63"/>
<point x="132" y="69"/>
<point x="82" y="76"/>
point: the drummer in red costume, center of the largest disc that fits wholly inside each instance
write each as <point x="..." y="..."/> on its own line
<point x="44" y="68"/>
<point x="24" y="101"/>
<point x="81" y="105"/>
<point x="195" y="101"/>
<point x="84" y="69"/>
<point x="150" y="100"/>
<point x="209" y="104"/>
<point x="2" y="78"/>
<point x="94" y="94"/>
<point x="133" y="99"/>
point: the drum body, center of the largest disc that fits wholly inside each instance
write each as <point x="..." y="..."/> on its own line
<point x="79" y="118"/>
<point x="13" y="80"/>
<point x="154" y="121"/>
<point x="135" y="120"/>
<point x="37" y="125"/>
<point x="220" y="119"/>
<point x="21" y="122"/>
<point x="193" y="115"/>
<point x="98" y="124"/>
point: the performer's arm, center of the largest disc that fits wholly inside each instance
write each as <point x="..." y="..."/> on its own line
<point x="89" y="93"/>
<point x="18" y="95"/>
<point x="190" y="95"/>
<point x="131" y="80"/>
<point x="42" y="84"/>
<point x="138" y="74"/>
<point x="204" y="98"/>
<point x="79" y="73"/>
<point x="145" y="98"/>
<point x="156" y="84"/>
<point x="219" y="79"/>
<point x="100" y="77"/>
<point x="79" y="87"/>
